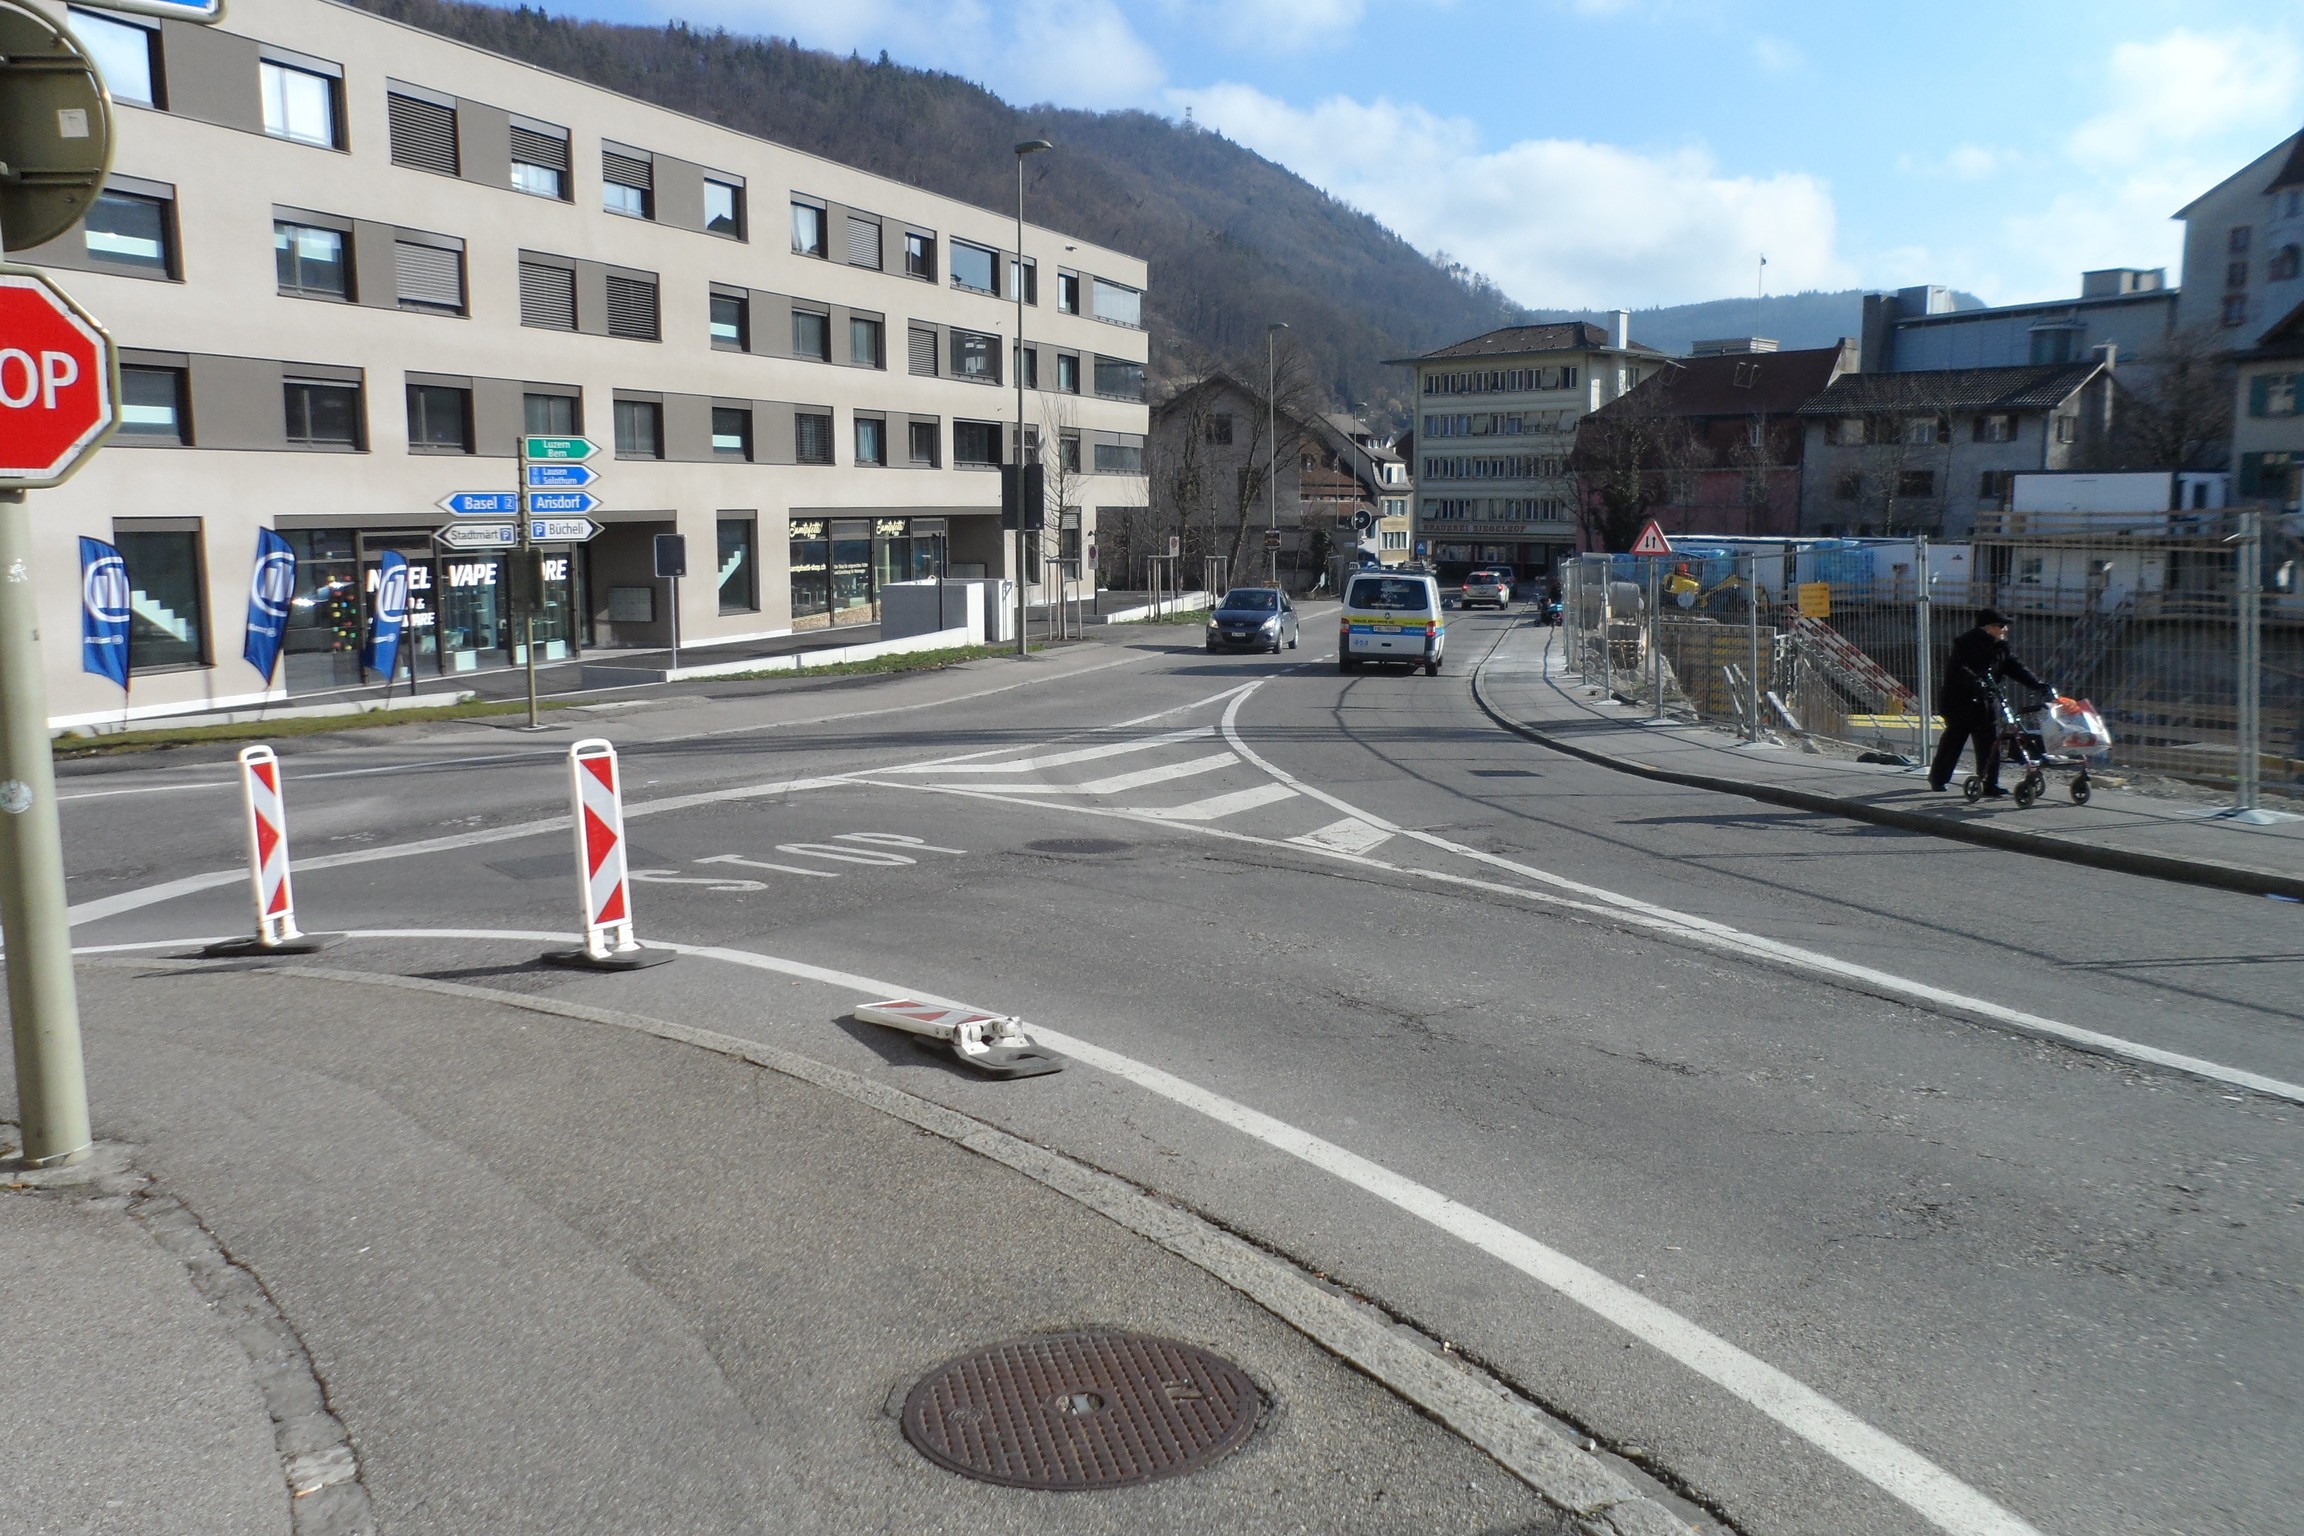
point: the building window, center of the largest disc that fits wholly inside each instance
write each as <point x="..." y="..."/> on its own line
<point x="152" y="402"/>
<point x="547" y="296"/>
<point x="2235" y="311"/>
<point x="311" y="261"/>
<point x="732" y="322"/>
<point x="1922" y="430"/>
<point x="920" y="256"/>
<point x="808" y="236"/>
<point x="1117" y="304"/>
<point x="2053" y="346"/>
<point x="864" y="342"/>
<point x="2236" y="274"/>
<point x="2272" y="394"/>
<point x="539" y="162"/>
<point x="126" y="55"/>
<point x="628" y="183"/>
<point x="1916" y="482"/>
<point x="1992" y="488"/>
<point x="1068" y="450"/>
<point x="1119" y="458"/>
<point x="423" y="134"/>
<point x="1220" y="428"/>
<point x="2285" y="264"/>
<point x="871" y="440"/>
<point x="732" y="432"/>
<point x="428" y="276"/>
<point x="1995" y="429"/>
<point x="923" y="444"/>
<point x="923" y="352"/>
<point x="812" y="335"/>
<point x="301" y="105"/>
<point x="322" y="413"/>
<point x="439" y="419"/>
<point x="1027" y="359"/>
<point x="1849" y="487"/>
<point x="1119" y="379"/>
<point x="551" y="415"/>
<point x="976" y="356"/>
<point x="632" y="307"/>
<point x="973" y="267"/>
<point x="812" y="437"/>
<point x="738" y="569"/>
<point x="1024" y="271"/>
<point x="2236" y="241"/>
<point x="125" y="229"/>
<point x="167" y="614"/>
<point x="863" y="242"/>
<point x="2067" y="428"/>
<point x="975" y="443"/>
<point x="639" y="429"/>
<point x="1067" y="373"/>
<point x="724" y="208"/>
<point x="1068" y="293"/>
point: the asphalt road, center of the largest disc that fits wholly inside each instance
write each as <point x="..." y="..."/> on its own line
<point x="1828" y="1260"/>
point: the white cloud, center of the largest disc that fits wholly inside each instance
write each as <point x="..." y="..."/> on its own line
<point x="2188" y="87"/>
<point x="1777" y="56"/>
<point x="1556" y="222"/>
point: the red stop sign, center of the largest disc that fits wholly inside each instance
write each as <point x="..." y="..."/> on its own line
<point x="56" y="399"/>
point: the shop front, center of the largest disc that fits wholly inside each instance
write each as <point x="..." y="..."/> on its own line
<point x="839" y="564"/>
<point x="1466" y="547"/>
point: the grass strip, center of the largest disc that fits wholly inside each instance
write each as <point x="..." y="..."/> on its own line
<point x="70" y="747"/>
<point x="907" y="661"/>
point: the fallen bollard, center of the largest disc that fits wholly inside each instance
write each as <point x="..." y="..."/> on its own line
<point x="276" y="930"/>
<point x="991" y="1043"/>
<point x="598" y="811"/>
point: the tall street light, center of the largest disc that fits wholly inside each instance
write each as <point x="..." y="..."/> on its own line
<point x="1016" y="281"/>
<point x="1272" y="437"/>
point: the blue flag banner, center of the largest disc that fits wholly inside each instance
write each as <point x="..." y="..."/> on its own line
<point x="271" y="587"/>
<point x="103" y="611"/>
<point x="391" y="611"/>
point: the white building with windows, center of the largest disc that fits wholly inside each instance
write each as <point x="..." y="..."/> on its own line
<point x="349" y="262"/>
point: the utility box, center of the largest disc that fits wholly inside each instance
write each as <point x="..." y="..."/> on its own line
<point x="910" y="608"/>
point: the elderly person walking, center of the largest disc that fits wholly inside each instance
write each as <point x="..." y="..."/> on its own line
<point x="1972" y="673"/>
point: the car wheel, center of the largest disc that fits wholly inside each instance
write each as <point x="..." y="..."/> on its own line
<point x="1346" y="664"/>
<point x="1431" y="666"/>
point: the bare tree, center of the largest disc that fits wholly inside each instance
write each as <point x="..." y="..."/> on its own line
<point x="1631" y="456"/>
<point x="2173" y="409"/>
<point x="1294" y="398"/>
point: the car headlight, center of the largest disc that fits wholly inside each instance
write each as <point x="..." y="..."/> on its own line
<point x="1273" y="622"/>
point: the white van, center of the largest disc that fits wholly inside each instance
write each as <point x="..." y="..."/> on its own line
<point x="1391" y="616"/>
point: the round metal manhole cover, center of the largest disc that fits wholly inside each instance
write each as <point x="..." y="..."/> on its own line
<point x="1079" y="845"/>
<point x="1081" y="1410"/>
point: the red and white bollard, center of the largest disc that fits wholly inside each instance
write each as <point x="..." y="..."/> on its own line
<point x="276" y="930"/>
<point x="597" y="808"/>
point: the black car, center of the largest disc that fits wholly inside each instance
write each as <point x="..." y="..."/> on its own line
<point x="1252" y="619"/>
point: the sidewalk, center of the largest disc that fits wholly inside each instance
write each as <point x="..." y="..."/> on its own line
<point x="451" y="1261"/>
<point x="1523" y="688"/>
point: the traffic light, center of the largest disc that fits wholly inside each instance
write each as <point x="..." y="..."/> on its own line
<point x="1035" y="496"/>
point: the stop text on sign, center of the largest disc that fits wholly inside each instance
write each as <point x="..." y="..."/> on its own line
<point x="41" y="377"/>
<point x="58" y="382"/>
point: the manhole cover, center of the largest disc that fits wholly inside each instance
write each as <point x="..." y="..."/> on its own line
<point x="1080" y="1410"/>
<point x="1078" y="845"/>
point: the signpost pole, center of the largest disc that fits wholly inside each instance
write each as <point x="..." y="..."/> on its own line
<point x="51" y="1088"/>
<point x="530" y="587"/>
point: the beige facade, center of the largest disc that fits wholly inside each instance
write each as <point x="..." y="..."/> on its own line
<point x="472" y="288"/>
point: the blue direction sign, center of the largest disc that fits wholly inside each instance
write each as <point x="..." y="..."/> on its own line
<point x="482" y="504"/>
<point x="561" y="502"/>
<point x="560" y="477"/>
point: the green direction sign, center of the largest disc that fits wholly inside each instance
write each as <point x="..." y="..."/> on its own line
<point x="560" y="448"/>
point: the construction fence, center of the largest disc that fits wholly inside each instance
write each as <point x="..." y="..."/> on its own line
<point x="2185" y="629"/>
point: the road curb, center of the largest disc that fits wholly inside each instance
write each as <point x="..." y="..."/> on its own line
<point x="1521" y="1437"/>
<point x="2127" y="861"/>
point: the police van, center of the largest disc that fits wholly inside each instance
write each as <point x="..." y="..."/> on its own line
<point x="1391" y="617"/>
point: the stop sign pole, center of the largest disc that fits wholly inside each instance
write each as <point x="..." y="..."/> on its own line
<point x="59" y="394"/>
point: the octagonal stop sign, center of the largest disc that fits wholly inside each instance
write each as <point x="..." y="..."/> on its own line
<point x="59" y="381"/>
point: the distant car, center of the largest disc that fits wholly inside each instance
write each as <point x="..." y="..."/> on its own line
<point x="1253" y="619"/>
<point x="1487" y="587"/>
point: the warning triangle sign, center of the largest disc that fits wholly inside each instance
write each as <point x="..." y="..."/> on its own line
<point x="1651" y="541"/>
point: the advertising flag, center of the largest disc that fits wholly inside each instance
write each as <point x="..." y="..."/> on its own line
<point x="103" y="611"/>
<point x="383" y="647"/>
<point x="271" y="587"/>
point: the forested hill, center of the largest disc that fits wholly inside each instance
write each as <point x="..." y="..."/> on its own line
<point x="1234" y="241"/>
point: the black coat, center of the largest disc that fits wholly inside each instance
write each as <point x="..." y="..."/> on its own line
<point x="1977" y="659"/>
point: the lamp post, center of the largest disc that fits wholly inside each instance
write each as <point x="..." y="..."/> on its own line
<point x="1272" y="437"/>
<point x="1016" y="281"/>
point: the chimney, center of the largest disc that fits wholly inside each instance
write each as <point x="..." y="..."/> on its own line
<point x="1620" y="328"/>
<point x="2107" y="353"/>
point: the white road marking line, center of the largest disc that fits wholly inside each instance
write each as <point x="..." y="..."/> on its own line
<point x="1895" y="1468"/>
<point x="1351" y="835"/>
<point x="1057" y="759"/>
<point x="720" y="883"/>
<point x="1120" y="783"/>
<point x="149" y="789"/>
<point x="788" y="869"/>
<point x="1215" y="807"/>
<point x="894" y="840"/>
<point x="882" y="857"/>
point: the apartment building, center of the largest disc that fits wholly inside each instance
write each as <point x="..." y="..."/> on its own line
<point x="1496" y="423"/>
<point x="2244" y="248"/>
<point x="349" y="262"/>
<point x="1915" y="330"/>
<point x="2268" y="415"/>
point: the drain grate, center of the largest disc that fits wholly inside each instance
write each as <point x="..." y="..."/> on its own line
<point x="1081" y="1410"/>
<point x="1079" y="845"/>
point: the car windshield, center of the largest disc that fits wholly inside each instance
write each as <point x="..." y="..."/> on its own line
<point x="1250" y="600"/>
<point x="1487" y="576"/>
<point x="1389" y="592"/>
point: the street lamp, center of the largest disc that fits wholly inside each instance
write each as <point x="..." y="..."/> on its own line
<point x="1016" y="281"/>
<point x="1272" y="438"/>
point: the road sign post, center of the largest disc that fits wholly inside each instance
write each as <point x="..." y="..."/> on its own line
<point x="547" y="466"/>
<point x="671" y="565"/>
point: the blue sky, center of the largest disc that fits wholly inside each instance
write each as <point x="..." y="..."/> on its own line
<point x="1637" y="152"/>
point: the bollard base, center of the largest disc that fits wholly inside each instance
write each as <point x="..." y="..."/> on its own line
<point x="242" y="949"/>
<point x="615" y="960"/>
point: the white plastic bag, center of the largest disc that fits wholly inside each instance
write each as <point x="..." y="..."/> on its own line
<point x="2072" y="726"/>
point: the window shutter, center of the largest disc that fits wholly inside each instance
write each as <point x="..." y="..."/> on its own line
<point x="632" y="307"/>
<point x="812" y="438"/>
<point x="626" y="171"/>
<point x="423" y="134"/>
<point x="2259" y="394"/>
<point x="429" y="275"/>
<point x="923" y="352"/>
<point x="539" y="148"/>
<point x="547" y="297"/>
<point x="864" y="243"/>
